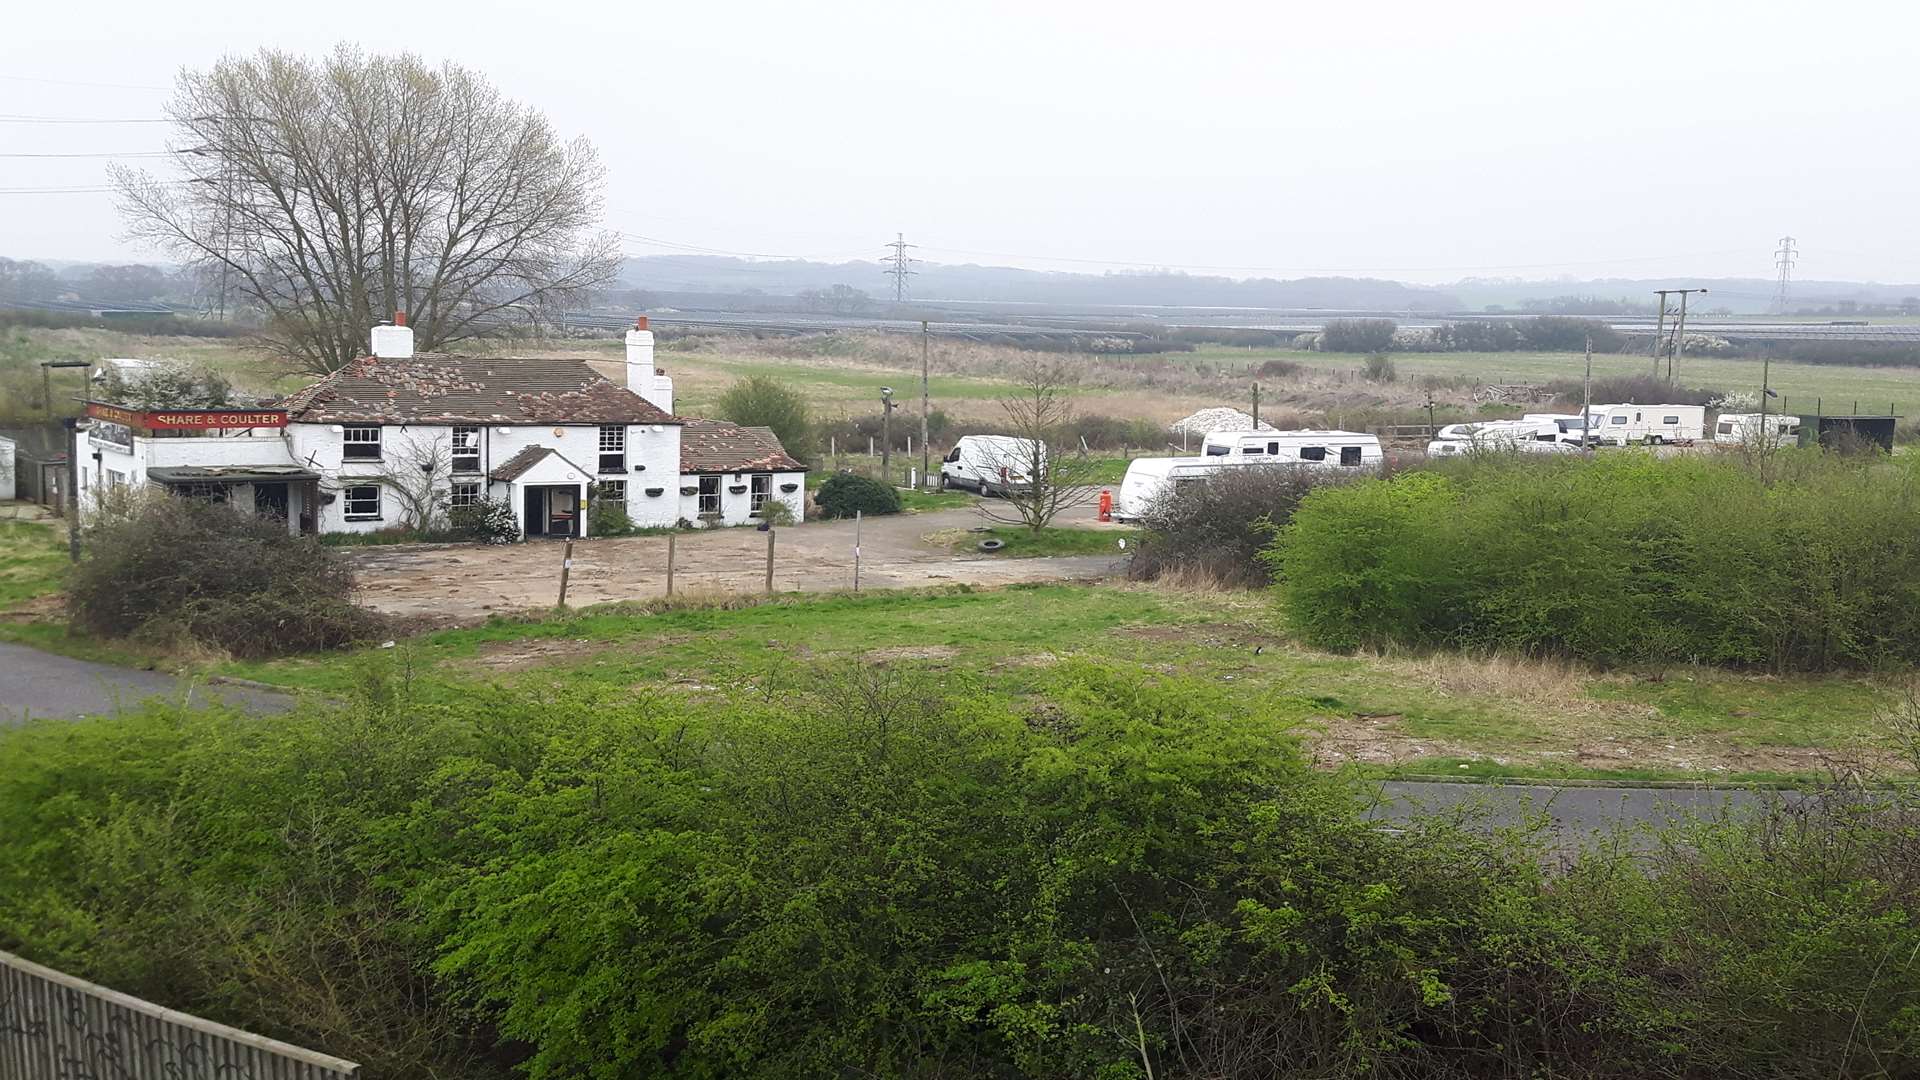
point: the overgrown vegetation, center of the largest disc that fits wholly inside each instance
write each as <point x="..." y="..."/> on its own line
<point x="177" y="571"/>
<point x="857" y="870"/>
<point x="844" y="494"/>
<point x="1806" y="562"/>
<point x="763" y="401"/>
<point x="1214" y="532"/>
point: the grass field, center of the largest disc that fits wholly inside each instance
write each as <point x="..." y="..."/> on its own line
<point x="1418" y="714"/>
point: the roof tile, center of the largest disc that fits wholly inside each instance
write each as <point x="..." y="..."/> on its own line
<point x="430" y="388"/>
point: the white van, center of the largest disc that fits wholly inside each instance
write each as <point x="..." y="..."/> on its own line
<point x="1623" y="425"/>
<point x="1316" y="449"/>
<point x="990" y="464"/>
<point x="1572" y="426"/>
<point x="1756" y="429"/>
<point x="1149" y="478"/>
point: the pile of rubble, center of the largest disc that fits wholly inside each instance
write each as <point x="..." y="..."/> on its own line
<point x="1207" y="421"/>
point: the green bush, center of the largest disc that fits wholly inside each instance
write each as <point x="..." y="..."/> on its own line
<point x="845" y="493"/>
<point x="848" y="871"/>
<point x="168" y="569"/>
<point x="606" y="517"/>
<point x="763" y="401"/>
<point x="489" y="521"/>
<point x="1803" y="562"/>
<point x="1358" y="335"/>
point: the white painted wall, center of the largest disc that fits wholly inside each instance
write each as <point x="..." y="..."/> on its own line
<point x="8" y="469"/>
<point x="653" y="459"/>
<point x="736" y="508"/>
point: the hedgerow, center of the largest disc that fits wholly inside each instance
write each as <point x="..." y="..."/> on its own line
<point x="1802" y="561"/>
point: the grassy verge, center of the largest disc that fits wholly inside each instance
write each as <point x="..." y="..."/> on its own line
<point x="33" y="559"/>
<point x="1017" y="542"/>
<point x="1404" y="713"/>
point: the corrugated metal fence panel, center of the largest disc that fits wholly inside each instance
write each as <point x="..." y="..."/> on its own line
<point x="56" y="1027"/>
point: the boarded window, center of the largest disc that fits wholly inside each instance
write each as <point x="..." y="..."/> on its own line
<point x="362" y="502"/>
<point x="613" y="448"/>
<point x="466" y="449"/>
<point x="361" y="444"/>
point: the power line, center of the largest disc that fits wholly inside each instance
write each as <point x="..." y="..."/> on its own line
<point x="1783" y="259"/>
<point x="901" y="268"/>
<point x="132" y="154"/>
<point x="1335" y="269"/>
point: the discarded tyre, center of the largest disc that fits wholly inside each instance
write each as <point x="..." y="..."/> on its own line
<point x="992" y="545"/>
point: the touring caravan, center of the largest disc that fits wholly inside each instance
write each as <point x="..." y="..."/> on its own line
<point x="1503" y="436"/>
<point x="1756" y="429"/>
<point x="1624" y="425"/>
<point x="1313" y="449"/>
<point x="1149" y="478"/>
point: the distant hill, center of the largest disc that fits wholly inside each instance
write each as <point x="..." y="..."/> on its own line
<point x="941" y="281"/>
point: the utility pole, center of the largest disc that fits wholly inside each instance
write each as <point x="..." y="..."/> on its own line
<point x="886" y="435"/>
<point x="899" y="266"/>
<point x="1256" y="406"/>
<point x="72" y="424"/>
<point x="1586" y="401"/>
<point x="1431" y="429"/>
<point x="1783" y="260"/>
<point x="1678" y="341"/>
<point x="926" y="453"/>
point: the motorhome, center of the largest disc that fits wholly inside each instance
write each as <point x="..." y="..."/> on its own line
<point x="1315" y="449"/>
<point x="991" y="464"/>
<point x="1756" y="429"/>
<point x="1149" y="478"/>
<point x="1624" y="425"/>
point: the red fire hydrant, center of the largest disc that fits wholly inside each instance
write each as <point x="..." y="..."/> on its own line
<point x="1106" y="504"/>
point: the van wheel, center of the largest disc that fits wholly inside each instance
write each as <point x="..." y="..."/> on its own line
<point x="1653" y="440"/>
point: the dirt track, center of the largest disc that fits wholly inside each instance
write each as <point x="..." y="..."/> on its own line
<point x="460" y="583"/>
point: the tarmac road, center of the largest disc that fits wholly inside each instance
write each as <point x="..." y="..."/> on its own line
<point x="38" y="684"/>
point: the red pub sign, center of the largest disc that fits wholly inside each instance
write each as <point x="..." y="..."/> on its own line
<point x="186" y="419"/>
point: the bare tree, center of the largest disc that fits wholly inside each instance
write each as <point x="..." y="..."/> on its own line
<point x="417" y="478"/>
<point x="327" y="194"/>
<point x="1043" y="468"/>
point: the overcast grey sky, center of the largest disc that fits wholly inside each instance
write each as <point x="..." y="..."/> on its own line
<point x="1418" y="141"/>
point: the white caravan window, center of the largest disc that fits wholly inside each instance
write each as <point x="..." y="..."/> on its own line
<point x="1349" y="455"/>
<point x="1618" y="420"/>
<point x="1669" y="419"/>
<point x="1313" y="453"/>
<point x="1726" y="427"/>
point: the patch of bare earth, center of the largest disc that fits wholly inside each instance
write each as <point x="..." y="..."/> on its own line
<point x="1372" y="739"/>
<point x="909" y="652"/>
<point x="534" y="652"/>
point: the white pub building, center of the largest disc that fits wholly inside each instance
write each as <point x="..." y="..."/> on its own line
<point x="369" y="446"/>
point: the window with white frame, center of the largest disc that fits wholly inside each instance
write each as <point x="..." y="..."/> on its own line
<point x="466" y="450"/>
<point x="611" y="491"/>
<point x="613" y="448"/>
<point x="116" y="479"/>
<point x="709" y="494"/>
<point x="759" y="490"/>
<point x="360" y="443"/>
<point x="463" y="494"/>
<point x="362" y="502"/>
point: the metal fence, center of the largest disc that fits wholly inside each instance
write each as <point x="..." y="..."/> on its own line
<point x="57" y="1027"/>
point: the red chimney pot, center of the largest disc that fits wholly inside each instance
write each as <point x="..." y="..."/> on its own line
<point x="640" y="322"/>
<point x="399" y="318"/>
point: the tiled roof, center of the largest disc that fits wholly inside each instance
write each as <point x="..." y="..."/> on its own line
<point x="521" y="463"/>
<point x="433" y="389"/>
<point x="713" y="446"/>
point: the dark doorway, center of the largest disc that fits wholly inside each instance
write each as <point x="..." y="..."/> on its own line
<point x="270" y="500"/>
<point x="552" y="510"/>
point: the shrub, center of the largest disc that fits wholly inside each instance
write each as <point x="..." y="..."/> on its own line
<point x="762" y="401"/>
<point x="845" y="493"/>
<point x="1357" y="335"/>
<point x="605" y="517"/>
<point x="487" y="520"/>
<point x="165" y="568"/>
<point x="1379" y="368"/>
<point x="1215" y="531"/>
<point x="1804" y="562"/>
<point x="775" y="513"/>
<point x="1277" y="369"/>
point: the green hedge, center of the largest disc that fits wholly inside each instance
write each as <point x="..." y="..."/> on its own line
<point x="867" y="873"/>
<point x="844" y="494"/>
<point x="1807" y="562"/>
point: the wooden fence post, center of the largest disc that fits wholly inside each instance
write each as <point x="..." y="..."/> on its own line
<point x="770" y="532"/>
<point x="670" y="538"/>
<point x="566" y="568"/>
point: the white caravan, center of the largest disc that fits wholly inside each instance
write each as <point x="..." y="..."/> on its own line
<point x="1313" y="449"/>
<point x="990" y="464"/>
<point x="1623" y="425"/>
<point x="1501" y="436"/>
<point x="1570" y="425"/>
<point x="1756" y="429"/>
<point x="1149" y="478"/>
